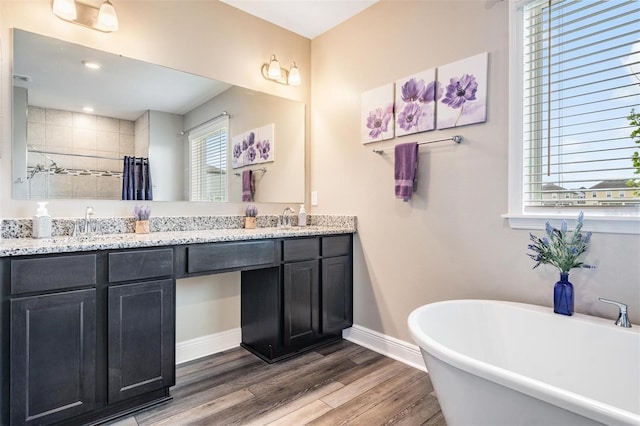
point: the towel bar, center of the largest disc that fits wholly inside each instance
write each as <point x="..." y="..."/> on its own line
<point x="456" y="139"/>
<point x="263" y="170"/>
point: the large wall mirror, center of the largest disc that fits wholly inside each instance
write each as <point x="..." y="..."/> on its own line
<point x="79" y="112"/>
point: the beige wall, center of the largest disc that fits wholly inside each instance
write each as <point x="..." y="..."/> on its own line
<point x="450" y="240"/>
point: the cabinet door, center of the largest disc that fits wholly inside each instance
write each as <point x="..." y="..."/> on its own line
<point x="53" y="350"/>
<point x="301" y="303"/>
<point x="141" y="338"/>
<point x="337" y="294"/>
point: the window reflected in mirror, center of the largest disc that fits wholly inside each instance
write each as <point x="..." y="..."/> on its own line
<point x="208" y="162"/>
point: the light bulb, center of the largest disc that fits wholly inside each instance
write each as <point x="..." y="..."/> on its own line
<point x="274" y="69"/>
<point x="65" y="9"/>
<point x="294" y="75"/>
<point x="107" y="18"/>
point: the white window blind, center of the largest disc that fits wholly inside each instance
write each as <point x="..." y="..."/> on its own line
<point x="581" y="80"/>
<point x="209" y="147"/>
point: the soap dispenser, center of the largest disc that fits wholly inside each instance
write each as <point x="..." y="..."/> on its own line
<point x="302" y="216"/>
<point x="42" y="222"/>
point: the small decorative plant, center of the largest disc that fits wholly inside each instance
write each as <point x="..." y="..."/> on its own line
<point x="559" y="248"/>
<point x="250" y="214"/>
<point x="251" y="211"/>
<point x="142" y="212"/>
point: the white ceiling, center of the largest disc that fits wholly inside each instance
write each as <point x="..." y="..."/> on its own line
<point x="309" y="18"/>
<point x="124" y="88"/>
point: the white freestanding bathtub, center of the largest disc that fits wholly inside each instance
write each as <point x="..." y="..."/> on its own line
<point x="502" y="363"/>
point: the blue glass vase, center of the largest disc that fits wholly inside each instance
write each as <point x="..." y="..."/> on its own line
<point x="563" y="296"/>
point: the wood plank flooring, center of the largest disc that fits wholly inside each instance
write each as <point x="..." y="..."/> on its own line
<point x="338" y="384"/>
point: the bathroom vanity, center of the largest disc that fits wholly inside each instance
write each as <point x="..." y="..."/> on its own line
<point x="88" y="330"/>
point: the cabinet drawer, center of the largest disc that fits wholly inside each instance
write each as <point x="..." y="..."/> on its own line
<point x="336" y="246"/>
<point x="300" y="249"/>
<point x="221" y="256"/>
<point x="52" y="273"/>
<point x="140" y="264"/>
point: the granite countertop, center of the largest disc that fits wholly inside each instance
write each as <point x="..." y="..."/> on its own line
<point x="65" y="244"/>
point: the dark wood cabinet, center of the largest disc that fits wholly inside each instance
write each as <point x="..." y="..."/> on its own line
<point x="53" y="350"/>
<point x="89" y="336"/>
<point x="301" y="302"/>
<point x="141" y="342"/>
<point x="304" y="303"/>
<point x="337" y="294"/>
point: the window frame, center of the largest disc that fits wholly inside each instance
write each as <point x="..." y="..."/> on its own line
<point x="198" y="133"/>
<point x="600" y="219"/>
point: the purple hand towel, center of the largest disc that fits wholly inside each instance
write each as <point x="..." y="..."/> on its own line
<point x="406" y="168"/>
<point x="248" y="185"/>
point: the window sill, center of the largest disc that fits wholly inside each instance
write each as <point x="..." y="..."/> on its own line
<point x="627" y="224"/>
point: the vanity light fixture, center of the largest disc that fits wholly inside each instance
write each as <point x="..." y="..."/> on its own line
<point x="102" y="19"/>
<point x="273" y="71"/>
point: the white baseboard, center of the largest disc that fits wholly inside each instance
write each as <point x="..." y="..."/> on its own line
<point x="207" y="345"/>
<point x="397" y="349"/>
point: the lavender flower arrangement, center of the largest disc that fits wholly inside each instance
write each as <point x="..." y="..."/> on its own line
<point x="142" y="212"/>
<point x="559" y="248"/>
<point x="251" y="211"/>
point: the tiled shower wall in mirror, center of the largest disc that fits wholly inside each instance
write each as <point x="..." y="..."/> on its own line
<point x="76" y="155"/>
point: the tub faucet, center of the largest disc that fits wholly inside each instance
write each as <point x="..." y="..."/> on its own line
<point x="285" y="220"/>
<point x="623" y="318"/>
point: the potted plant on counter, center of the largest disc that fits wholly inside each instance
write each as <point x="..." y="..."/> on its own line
<point x="250" y="214"/>
<point x="142" y="214"/>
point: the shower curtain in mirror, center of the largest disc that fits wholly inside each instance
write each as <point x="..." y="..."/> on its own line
<point x="136" y="179"/>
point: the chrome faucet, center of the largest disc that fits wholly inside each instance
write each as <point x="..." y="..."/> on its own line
<point x="285" y="220"/>
<point x="623" y="318"/>
<point x="88" y="212"/>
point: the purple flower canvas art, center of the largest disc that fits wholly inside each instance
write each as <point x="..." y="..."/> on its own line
<point x="253" y="147"/>
<point x="416" y="97"/>
<point x="377" y="114"/>
<point x="464" y="98"/>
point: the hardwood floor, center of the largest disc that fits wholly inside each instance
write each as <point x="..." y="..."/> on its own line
<point x="338" y="384"/>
